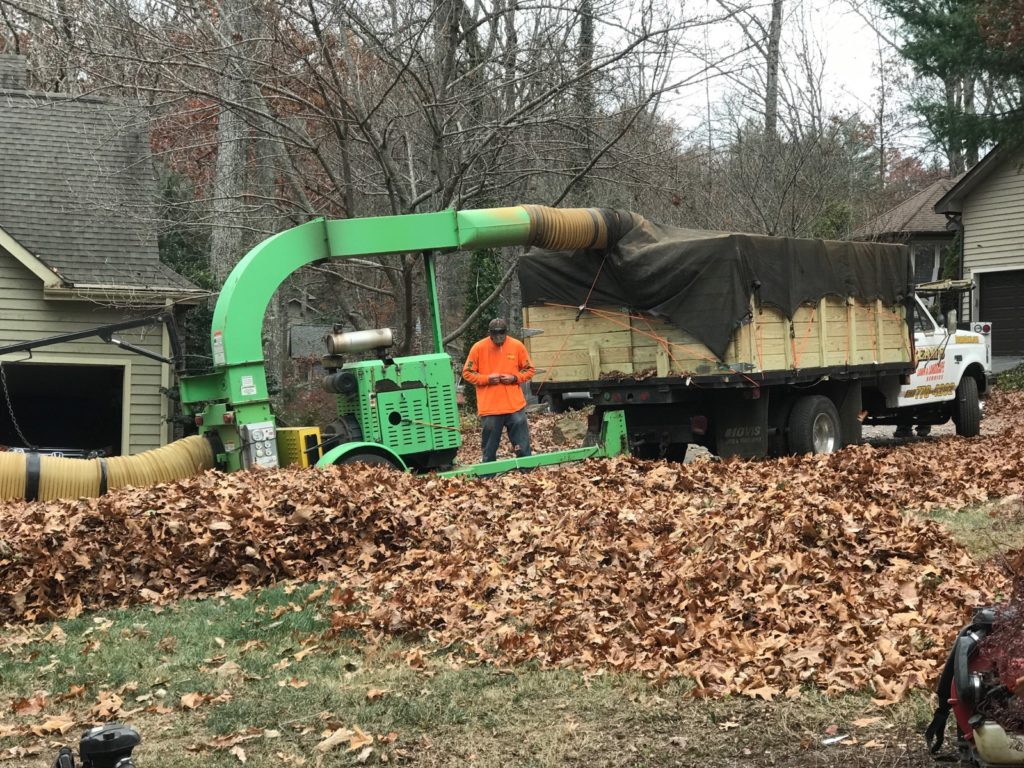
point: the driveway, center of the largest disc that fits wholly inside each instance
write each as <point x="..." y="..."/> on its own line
<point x="1001" y="363"/>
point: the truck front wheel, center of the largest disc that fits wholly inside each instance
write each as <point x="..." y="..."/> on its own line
<point x="814" y="426"/>
<point x="967" y="408"/>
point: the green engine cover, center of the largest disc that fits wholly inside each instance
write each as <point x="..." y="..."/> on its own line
<point x="409" y="406"/>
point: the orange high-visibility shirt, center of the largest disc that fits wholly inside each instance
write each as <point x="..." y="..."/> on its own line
<point x="487" y="358"/>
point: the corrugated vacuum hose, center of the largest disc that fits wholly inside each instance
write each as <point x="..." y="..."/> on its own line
<point x="34" y="477"/>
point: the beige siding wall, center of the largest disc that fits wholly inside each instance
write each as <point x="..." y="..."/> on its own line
<point x="993" y="219"/>
<point x="26" y="315"/>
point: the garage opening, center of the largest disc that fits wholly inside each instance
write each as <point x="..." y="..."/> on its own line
<point x="999" y="303"/>
<point x="69" y="409"/>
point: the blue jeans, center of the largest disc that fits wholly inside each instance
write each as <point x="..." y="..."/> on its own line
<point x="518" y="432"/>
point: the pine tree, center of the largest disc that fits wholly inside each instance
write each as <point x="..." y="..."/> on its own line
<point x="184" y="247"/>
<point x="975" y="50"/>
<point x="484" y="276"/>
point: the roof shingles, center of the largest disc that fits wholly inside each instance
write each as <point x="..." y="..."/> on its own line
<point x="77" y="191"/>
<point x="915" y="215"/>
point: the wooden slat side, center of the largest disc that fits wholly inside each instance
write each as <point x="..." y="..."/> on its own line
<point x="835" y="332"/>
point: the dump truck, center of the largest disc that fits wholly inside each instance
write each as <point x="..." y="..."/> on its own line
<point x="747" y="345"/>
<point x="724" y="358"/>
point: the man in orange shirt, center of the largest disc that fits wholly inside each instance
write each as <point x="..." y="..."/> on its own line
<point x="497" y="366"/>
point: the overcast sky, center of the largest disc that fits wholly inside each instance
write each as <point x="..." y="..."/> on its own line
<point x="844" y="41"/>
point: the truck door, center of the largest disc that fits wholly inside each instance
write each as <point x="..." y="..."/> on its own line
<point x="931" y="380"/>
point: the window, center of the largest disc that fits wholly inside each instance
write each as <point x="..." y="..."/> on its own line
<point x="925" y="263"/>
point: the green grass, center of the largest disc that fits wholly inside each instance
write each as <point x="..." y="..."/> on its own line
<point x="987" y="531"/>
<point x="1011" y="379"/>
<point x="424" y="706"/>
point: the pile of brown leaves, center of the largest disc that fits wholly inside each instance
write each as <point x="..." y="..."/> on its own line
<point x="750" y="577"/>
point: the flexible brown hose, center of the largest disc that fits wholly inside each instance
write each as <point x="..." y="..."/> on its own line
<point x="61" y="478"/>
<point x="559" y="229"/>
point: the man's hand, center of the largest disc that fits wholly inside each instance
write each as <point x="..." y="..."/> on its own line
<point x="508" y="378"/>
<point x="494" y="378"/>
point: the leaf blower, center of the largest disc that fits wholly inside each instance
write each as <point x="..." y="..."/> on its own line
<point x="105" y="746"/>
<point x="979" y="685"/>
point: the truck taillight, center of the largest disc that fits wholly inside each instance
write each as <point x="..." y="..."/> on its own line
<point x="985" y="328"/>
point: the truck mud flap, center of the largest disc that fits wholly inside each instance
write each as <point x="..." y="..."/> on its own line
<point x="741" y="425"/>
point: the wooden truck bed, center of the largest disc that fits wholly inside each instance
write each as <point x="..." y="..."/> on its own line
<point x="603" y="343"/>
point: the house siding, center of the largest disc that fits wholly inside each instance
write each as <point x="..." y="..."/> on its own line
<point x="25" y="315"/>
<point x="993" y="218"/>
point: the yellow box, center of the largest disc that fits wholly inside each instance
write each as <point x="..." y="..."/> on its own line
<point x="298" y="446"/>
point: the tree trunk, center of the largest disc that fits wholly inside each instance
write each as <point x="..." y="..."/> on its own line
<point x="954" y="146"/>
<point x="971" y="149"/>
<point x="584" y="92"/>
<point x="771" y="91"/>
<point x="232" y="139"/>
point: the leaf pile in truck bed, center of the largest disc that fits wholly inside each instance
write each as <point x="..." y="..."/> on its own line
<point x="757" y="578"/>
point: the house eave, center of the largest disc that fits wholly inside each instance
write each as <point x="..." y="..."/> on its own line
<point x="953" y="200"/>
<point x="50" y="277"/>
<point x="124" y="295"/>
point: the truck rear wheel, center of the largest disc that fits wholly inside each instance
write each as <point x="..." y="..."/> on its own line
<point x="967" y="408"/>
<point x="814" y="426"/>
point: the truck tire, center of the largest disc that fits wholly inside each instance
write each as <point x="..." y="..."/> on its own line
<point x="967" y="408"/>
<point x="814" y="426"/>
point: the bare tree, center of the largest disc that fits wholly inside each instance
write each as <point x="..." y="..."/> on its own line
<point x="278" y="111"/>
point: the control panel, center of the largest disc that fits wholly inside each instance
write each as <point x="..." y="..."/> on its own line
<point x="259" y="444"/>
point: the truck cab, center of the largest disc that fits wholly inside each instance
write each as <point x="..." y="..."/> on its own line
<point x="952" y="369"/>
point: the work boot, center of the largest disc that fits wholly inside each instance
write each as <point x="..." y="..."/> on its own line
<point x="903" y="431"/>
<point x="923" y="430"/>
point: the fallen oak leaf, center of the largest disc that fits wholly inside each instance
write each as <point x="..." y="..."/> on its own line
<point x="9" y="730"/>
<point x="233" y="739"/>
<point x="305" y="652"/>
<point x="18" y="752"/>
<point x="316" y="593"/>
<point x="194" y="700"/>
<point x="60" y="724"/>
<point x="240" y="754"/>
<point x="360" y="739"/>
<point x="337" y="737"/>
<point x="765" y="692"/>
<point x="30" y="706"/>
<point x="108" y="706"/>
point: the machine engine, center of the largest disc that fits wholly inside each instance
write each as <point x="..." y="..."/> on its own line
<point x="981" y="685"/>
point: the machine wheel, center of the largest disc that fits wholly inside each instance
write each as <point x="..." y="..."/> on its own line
<point x="967" y="408"/>
<point x="676" y="452"/>
<point x="370" y="459"/>
<point x="814" y="426"/>
<point x="651" y="452"/>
